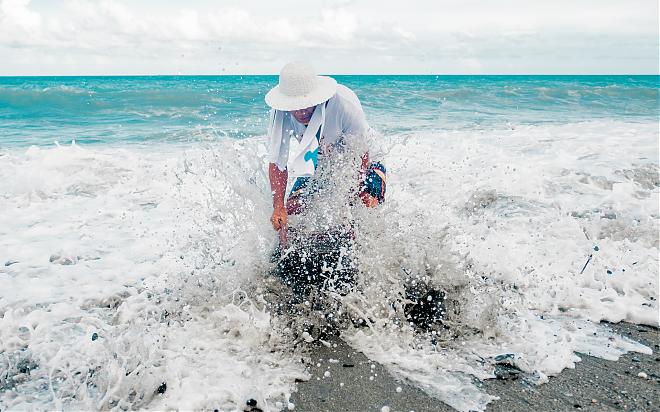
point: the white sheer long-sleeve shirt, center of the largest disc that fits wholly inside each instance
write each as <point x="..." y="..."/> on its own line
<point x="343" y="117"/>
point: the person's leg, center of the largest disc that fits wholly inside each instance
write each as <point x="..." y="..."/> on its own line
<point x="296" y="202"/>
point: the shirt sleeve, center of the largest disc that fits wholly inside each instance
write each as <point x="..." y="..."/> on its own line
<point x="354" y="122"/>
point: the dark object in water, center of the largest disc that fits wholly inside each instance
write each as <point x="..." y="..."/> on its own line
<point x="506" y="372"/>
<point x="587" y="262"/>
<point x="505" y="359"/>
<point x="252" y="403"/>
<point x="505" y="367"/>
<point x="26" y="365"/>
<point x="319" y="261"/>
<point x="162" y="388"/>
<point x="427" y="306"/>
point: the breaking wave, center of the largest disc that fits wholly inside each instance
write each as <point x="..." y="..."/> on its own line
<point x="135" y="273"/>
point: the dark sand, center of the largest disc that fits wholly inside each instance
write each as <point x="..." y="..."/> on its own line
<point x="595" y="384"/>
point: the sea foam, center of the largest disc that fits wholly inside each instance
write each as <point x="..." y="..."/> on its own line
<point x="124" y="269"/>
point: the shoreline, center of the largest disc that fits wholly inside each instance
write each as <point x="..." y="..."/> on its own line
<point x="594" y="384"/>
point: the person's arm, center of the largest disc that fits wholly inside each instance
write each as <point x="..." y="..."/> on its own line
<point x="367" y="199"/>
<point x="364" y="165"/>
<point x="278" y="179"/>
<point x="354" y="124"/>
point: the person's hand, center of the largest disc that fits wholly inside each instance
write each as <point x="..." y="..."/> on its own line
<point x="368" y="200"/>
<point x="279" y="218"/>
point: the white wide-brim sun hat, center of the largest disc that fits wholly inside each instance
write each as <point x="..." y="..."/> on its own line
<point x="299" y="88"/>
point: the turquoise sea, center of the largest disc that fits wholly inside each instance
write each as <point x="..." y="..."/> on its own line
<point x="139" y="258"/>
<point x="117" y="110"/>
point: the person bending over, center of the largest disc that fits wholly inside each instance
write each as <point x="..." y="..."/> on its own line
<point x="319" y="113"/>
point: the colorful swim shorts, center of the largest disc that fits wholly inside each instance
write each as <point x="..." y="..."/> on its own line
<point x="374" y="183"/>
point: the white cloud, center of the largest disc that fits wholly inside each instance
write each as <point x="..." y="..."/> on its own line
<point x="16" y="14"/>
<point x="82" y="22"/>
<point x="189" y="26"/>
<point x="115" y="36"/>
<point x="338" y="24"/>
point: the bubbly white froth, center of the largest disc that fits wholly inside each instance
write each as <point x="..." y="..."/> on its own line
<point x="157" y="253"/>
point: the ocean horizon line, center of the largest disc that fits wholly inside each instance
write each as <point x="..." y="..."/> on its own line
<point x="342" y="75"/>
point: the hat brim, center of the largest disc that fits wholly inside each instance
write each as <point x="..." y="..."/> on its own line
<point x="326" y="87"/>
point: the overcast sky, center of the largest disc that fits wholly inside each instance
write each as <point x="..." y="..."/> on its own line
<point x="42" y="37"/>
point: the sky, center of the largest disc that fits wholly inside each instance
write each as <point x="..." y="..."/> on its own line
<point x="115" y="37"/>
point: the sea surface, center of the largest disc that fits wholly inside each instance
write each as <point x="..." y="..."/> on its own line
<point x="135" y="243"/>
<point x="117" y="110"/>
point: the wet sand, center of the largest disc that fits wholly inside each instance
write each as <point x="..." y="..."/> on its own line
<point x="345" y="380"/>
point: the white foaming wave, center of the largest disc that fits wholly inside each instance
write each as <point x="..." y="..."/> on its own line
<point x="59" y="95"/>
<point x="174" y="113"/>
<point x="521" y="228"/>
<point x="122" y="267"/>
<point x="67" y="89"/>
<point x="155" y="251"/>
